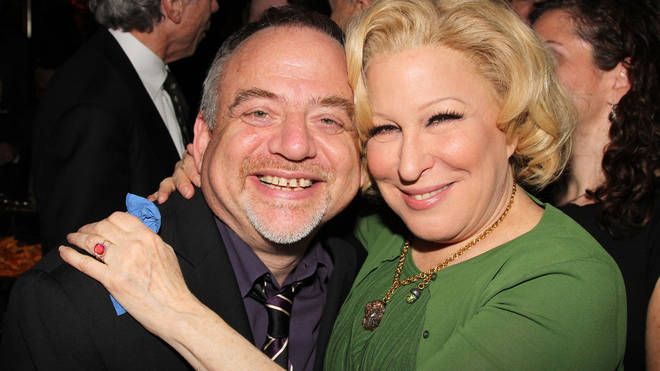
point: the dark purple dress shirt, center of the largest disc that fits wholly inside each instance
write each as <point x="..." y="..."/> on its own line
<point x="314" y="268"/>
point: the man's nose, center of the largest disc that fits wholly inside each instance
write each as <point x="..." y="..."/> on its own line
<point x="293" y="139"/>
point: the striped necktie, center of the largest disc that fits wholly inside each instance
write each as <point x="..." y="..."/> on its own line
<point x="278" y="306"/>
<point x="180" y="105"/>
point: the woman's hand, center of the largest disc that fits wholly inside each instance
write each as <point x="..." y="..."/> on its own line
<point x="184" y="177"/>
<point x="140" y="270"/>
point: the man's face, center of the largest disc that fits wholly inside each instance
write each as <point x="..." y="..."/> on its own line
<point x="195" y="21"/>
<point x="283" y="157"/>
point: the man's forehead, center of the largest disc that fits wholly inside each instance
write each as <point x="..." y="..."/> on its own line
<point x="286" y="38"/>
<point x="283" y="52"/>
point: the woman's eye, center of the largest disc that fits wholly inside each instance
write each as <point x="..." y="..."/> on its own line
<point x="382" y="131"/>
<point x="439" y="118"/>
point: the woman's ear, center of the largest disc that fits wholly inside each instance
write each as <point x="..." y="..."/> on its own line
<point x="511" y="145"/>
<point x="620" y="84"/>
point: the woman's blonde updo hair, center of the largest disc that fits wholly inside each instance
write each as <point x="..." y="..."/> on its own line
<point x="502" y="48"/>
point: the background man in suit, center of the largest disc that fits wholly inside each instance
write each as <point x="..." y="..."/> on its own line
<point x="112" y="120"/>
<point x="279" y="158"/>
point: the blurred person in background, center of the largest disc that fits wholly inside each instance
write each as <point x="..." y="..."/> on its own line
<point x="345" y="10"/>
<point x="15" y="96"/>
<point x="606" y="58"/>
<point x="523" y="8"/>
<point x="114" y="111"/>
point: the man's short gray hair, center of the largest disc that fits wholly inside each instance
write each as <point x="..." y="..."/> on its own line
<point x="286" y="16"/>
<point x="127" y="15"/>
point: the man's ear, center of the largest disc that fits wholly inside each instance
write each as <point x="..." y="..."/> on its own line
<point x="361" y="5"/>
<point x="201" y="141"/>
<point x="173" y="10"/>
<point x="620" y="84"/>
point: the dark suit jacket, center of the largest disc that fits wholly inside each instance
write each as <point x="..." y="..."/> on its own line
<point x="98" y="135"/>
<point x="60" y="319"/>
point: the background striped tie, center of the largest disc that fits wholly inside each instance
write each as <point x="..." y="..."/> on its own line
<point x="181" y="109"/>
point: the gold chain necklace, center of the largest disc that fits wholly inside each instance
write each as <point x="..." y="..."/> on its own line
<point x="374" y="310"/>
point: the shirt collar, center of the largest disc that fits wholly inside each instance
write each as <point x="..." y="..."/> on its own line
<point x="150" y="68"/>
<point x="248" y="267"/>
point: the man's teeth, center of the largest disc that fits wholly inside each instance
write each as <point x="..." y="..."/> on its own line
<point x="284" y="182"/>
<point x="429" y="194"/>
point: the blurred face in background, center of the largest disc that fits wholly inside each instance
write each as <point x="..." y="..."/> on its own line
<point x="523" y="8"/>
<point x="587" y="85"/>
<point x="258" y="7"/>
<point x="344" y="10"/>
<point x="195" y="21"/>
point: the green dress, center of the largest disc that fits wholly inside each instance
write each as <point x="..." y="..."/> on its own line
<point x="551" y="299"/>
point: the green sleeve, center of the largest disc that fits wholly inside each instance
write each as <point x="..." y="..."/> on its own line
<point x="526" y="322"/>
<point x="364" y="230"/>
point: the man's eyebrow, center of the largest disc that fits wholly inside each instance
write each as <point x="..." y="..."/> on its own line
<point x="246" y="94"/>
<point x="337" y="101"/>
<point x="331" y="101"/>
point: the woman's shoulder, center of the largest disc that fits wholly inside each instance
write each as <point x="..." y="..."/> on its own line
<point x="559" y="241"/>
<point x="556" y="230"/>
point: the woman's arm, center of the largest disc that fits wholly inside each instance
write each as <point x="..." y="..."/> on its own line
<point x="208" y="343"/>
<point x="653" y="330"/>
<point x="143" y="274"/>
<point x="565" y="315"/>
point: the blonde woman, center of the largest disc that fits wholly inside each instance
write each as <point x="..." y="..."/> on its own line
<point x="458" y="110"/>
<point x="463" y="95"/>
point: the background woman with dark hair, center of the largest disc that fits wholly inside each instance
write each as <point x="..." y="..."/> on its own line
<point x="606" y="58"/>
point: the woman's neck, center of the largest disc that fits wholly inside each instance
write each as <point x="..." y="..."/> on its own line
<point x="586" y="170"/>
<point x="524" y="214"/>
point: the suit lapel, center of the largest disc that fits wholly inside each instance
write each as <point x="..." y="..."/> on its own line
<point x="189" y="226"/>
<point x="149" y="118"/>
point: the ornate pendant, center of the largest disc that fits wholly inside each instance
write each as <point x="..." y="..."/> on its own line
<point x="414" y="294"/>
<point x="373" y="313"/>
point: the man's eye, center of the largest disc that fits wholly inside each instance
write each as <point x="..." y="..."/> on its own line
<point x="258" y="114"/>
<point x="332" y="122"/>
<point x="258" y="117"/>
<point x="330" y="125"/>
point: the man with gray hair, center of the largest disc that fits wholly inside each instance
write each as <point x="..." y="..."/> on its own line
<point x="113" y="119"/>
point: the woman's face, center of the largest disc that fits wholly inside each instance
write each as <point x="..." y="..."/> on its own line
<point x="435" y="152"/>
<point x="576" y="69"/>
